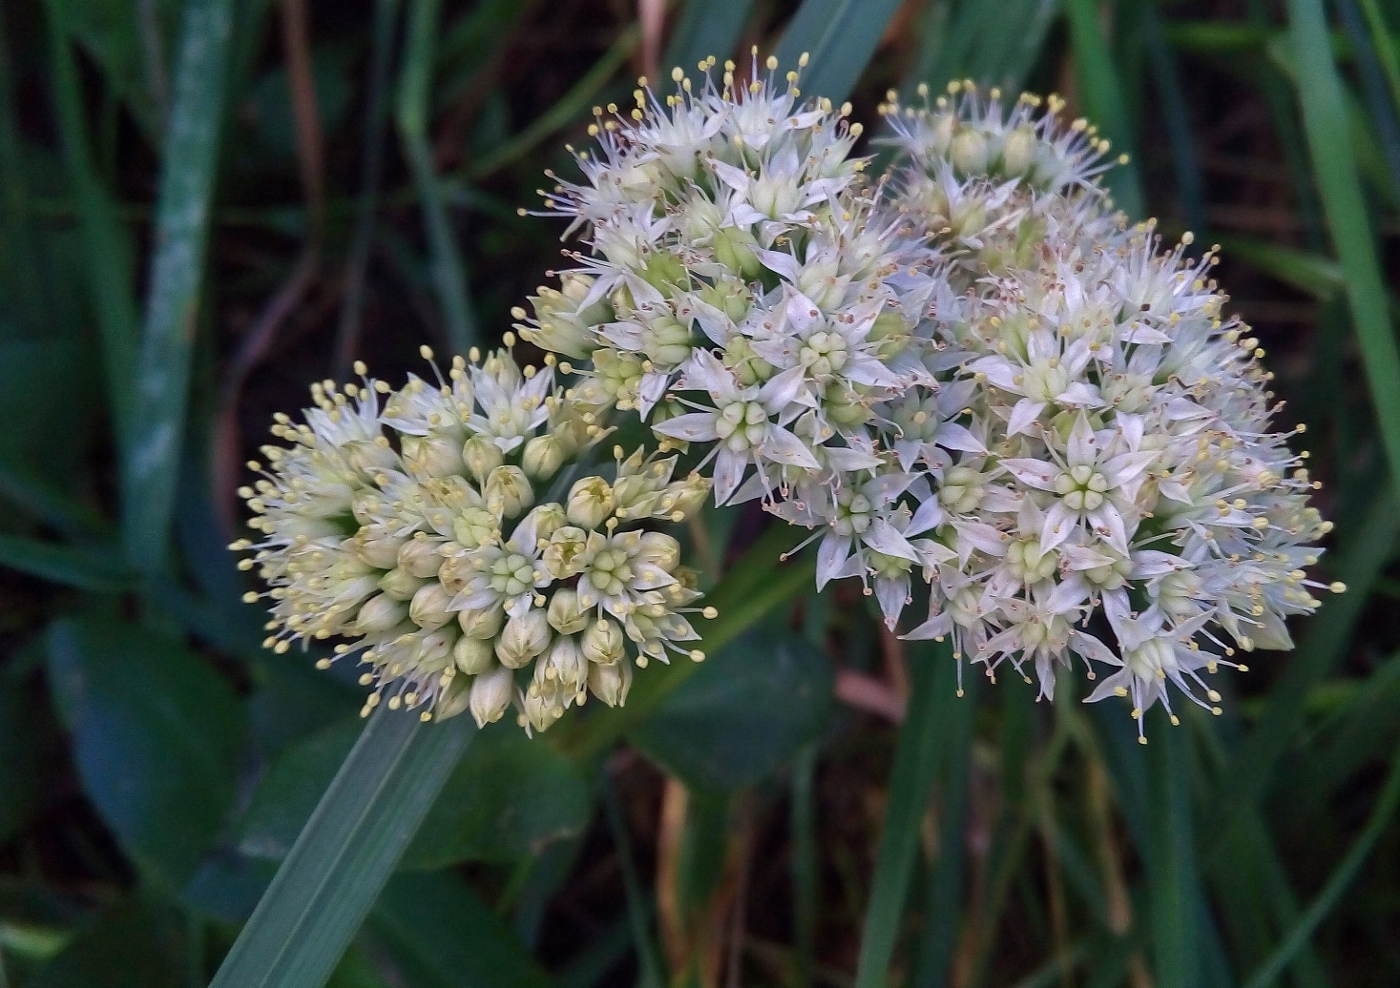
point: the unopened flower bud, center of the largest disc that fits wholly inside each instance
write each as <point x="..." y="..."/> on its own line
<point x="1018" y="151"/>
<point x="431" y="456"/>
<point x="543" y="457"/>
<point x="491" y="696"/>
<point x="481" y="456"/>
<point x="484" y="623"/>
<point x="565" y="663"/>
<point x="508" y="491"/>
<point x="400" y="584"/>
<point x="590" y="502"/>
<point x="474" y="656"/>
<point x="969" y="151"/>
<point x="610" y="683"/>
<point x="377" y="548"/>
<point x="428" y="609"/>
<point x="420" y="558"/>
<point x="566" y="615"/>
<point x="524" y="637"/>
<point x="378" y="614"/>
<point x="603" y="642"/>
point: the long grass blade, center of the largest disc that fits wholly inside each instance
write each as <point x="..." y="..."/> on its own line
<point x="1174" y="886"/>
<point x="839" y="37"/>
<point x="1102" y="93"/>
<point x="108" y="249"/>
<point x="1325" y="120"/>
<point x="188" y="170"/>
<point x="346" y="852"/>
<point x="921" y="741"/>
<point x="942" y="917"/>
<point x="414" y="100"/>
<point x="1337" y="883"/>
<point x="805" y="861"/>
<point x="638" y="918"/>
<point x="79" y="568"/>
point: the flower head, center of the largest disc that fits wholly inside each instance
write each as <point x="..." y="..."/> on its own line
<point x="434" y="530"/>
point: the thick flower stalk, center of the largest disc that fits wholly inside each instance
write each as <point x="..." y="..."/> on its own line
<point x="438" y="530"/>
<point x="1126" y="486"/>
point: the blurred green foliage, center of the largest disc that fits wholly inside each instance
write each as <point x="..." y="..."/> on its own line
<point x="205" y="205"/>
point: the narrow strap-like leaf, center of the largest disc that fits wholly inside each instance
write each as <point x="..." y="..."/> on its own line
<point x="840" y="37"/>
<point x="346" y="852"/>
<point x="188" y="169"/>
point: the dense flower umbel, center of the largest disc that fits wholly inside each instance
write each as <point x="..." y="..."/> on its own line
<point x="1124" y="465"/>
<point x="435" y="528"/>
<point x="739" y="293"/>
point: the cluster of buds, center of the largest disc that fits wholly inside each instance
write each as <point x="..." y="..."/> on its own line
<point x="973" y="376"/>
<point x="440" y="532"/>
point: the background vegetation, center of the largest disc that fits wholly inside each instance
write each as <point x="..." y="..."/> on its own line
<point x="207" y="204"/>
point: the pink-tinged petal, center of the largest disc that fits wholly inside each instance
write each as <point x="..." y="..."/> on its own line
<point x="1080" y="394"/>
<point x="800" y="311"/>
<point x="704" y="372"/>
<point x="1126" y="467"/>
<point x="831" y="554"/>
<point x="937" y="626"/>
<point x="1107" y="522"/>
<point x="1059" y="524"/>
<point x="1089" y="647"/>
<point x="782" y="390"/>
<point x="729" y="470"/>
<point x="980" y="536"/>
<point x="1035" y="473"/>
<point x="1123" y="679"/>
<point x="1082" y="446"/>
<point x="870" y="372"/>
<point x="1023" y="416"/>
<point x="714" y="322"/>
<point x="954" y="436"/>
<point x="692" y="428"/>
<point x="780" y="262"/>
<point x="650" y="391"/>
<point x="851" y="460"/>
<point x="929" y="515"/>
<point x="998" y="371"/>
<point x="1148" y="563"/>
<point x="627" y="335"/>
<point x="884" y="537"/>
<point x="1132" y="427"/>
<point x="1068" y="595"/>
<point x="892" y="594"/>
<point x="783" y="447"/>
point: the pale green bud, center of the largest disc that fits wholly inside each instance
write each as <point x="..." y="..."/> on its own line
<point x="420" y="557"/>
<point x="590" y="502"/>
<point x="481" y="456"/>
<point x="379" y="613"/>
<point x="610" y="683"/>
<point x="429" y="606"/>
<point x="566" y="615"/>
<point x="491" y="695"/>
<point x="603" y="642"/>
<point x="475" y="527"/>
<point x="474" y="656"/>
<point x="483" y="623"/>
<point x="400" y="584"/>
<point x="543" y="457"/>
<point x="431" y="456"/>
<point x="1018" y="151"/>
<point x="376" y="547"/>
<point x="524" y="637"/>
<point x="969" y="151"/>
<point x="508" y="491"/>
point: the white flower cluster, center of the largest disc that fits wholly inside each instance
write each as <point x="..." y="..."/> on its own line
<point x="975" y="374"/>
<point x="1125" y="465"/>
<point x="439" y="532"/>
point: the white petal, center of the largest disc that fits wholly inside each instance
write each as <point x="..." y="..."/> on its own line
<point x="1023" y="416"/>
<point x="693" y="427"/>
